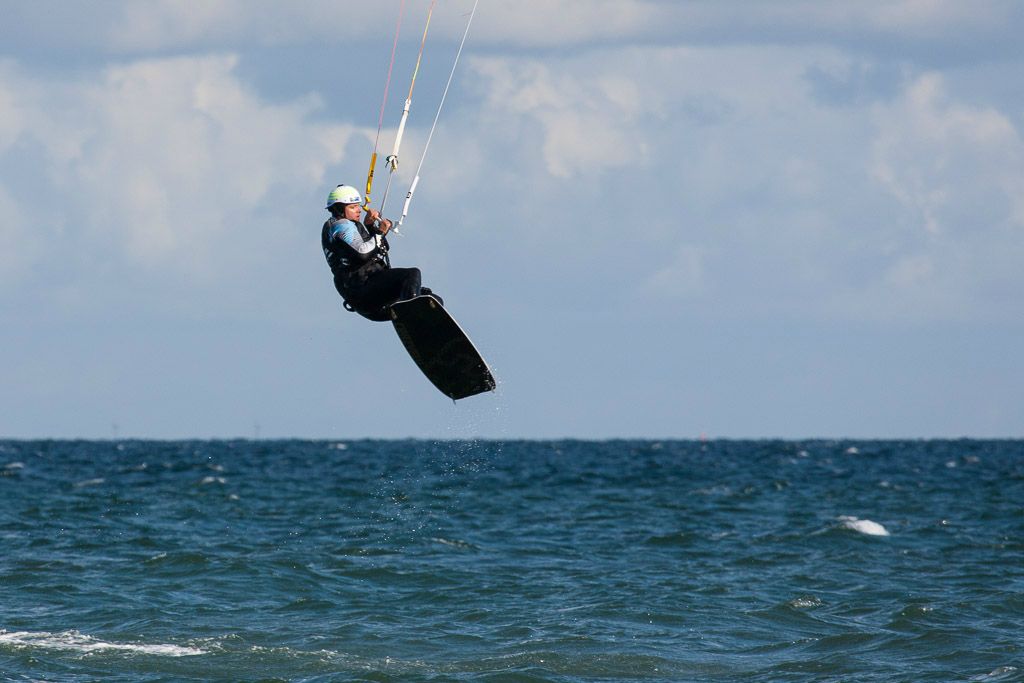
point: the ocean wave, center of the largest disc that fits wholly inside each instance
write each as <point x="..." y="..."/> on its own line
<point x="455" y="543"/>
<point x="1003" y="673"/>
<point x="863" y="526"/>
<point x="77" y="642"/>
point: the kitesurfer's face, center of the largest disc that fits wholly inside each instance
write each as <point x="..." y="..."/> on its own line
<point x="353" y="212"/>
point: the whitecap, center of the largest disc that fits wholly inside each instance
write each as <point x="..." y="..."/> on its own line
<point x="805" y="602"/>
<point x="455" y="543"/>
<point x="864" y="526"/>
<point x="15" y="466"/>
<point x="852" y="450"/>
<point x="90" y="482"/>
<point x="576" y="608"/>
<point x="998" y="673"/>
<point x="213" y="480"/>
<point x="77" y="642"/>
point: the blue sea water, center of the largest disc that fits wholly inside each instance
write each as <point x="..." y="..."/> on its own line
<point x="511" y="561"/>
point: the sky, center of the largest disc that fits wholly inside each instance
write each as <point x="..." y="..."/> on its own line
<point x="655" y="218"/>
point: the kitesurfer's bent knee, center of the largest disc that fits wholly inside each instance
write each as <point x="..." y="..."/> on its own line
<point x="411" y="282"/>
<point x="383" y="289"/>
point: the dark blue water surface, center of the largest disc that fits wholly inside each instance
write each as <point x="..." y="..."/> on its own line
<point x="512" y="561"/>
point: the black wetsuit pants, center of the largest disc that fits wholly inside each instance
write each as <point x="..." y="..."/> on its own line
<point x="383" y="289"/>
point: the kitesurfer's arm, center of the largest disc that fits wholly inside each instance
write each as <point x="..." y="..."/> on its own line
<point x="348" y="232"/>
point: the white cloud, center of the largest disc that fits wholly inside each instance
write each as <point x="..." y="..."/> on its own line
<point x="587" y="124"/>
<point x="900" y="205"/>
<point x="742" y="173"/>
<point x="959" y="167"/>
<point x="163" y="26"/>
<point x="160" y="26"/>
<point x="172" y="165"/>
<point x="957" y="170"/>
<point x="884" y="26"/>
<point x="542" y="23"/>
<point x="935" y="16"/>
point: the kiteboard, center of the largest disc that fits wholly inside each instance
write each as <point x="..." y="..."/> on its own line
<point x="440" y="348"/>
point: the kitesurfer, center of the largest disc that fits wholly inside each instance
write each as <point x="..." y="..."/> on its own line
<point x="357" y="252"/>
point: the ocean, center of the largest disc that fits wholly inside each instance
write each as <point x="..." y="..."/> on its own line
<point x="512" y="561"/>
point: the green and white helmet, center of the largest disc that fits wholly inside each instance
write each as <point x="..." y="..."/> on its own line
<point x="344" y="194"/>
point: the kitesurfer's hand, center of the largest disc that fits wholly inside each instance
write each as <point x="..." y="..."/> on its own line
<point x="375" y="222"/>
